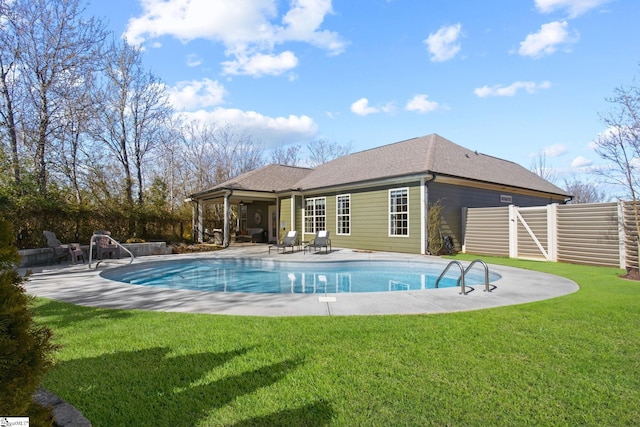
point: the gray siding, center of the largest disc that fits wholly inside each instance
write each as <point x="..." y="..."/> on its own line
<point x="454" y="198"/>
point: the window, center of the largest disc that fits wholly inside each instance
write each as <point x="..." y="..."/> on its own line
<point x="343" y="212"/>
<point x="315" y="215"/>
<point x="242" y="217"/>
<point x="399" y="212"/>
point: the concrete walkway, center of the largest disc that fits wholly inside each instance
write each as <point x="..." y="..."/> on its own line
<point x="80" y="285"/>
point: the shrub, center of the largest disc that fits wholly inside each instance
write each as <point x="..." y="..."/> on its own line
<point x="25" y="348"/>
<point x="435" y="240"/>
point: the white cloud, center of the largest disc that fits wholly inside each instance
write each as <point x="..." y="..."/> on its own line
<point x="302" y="23"/>
<point x="246" y="28"/>
<point x="271" y="131"/>
<point x="581" y="162"/>
<point x="421" y="104"/>
<point x="555" y="150"/>
<point x="547" y="39"/>
<point x="193" y="60"/>
<point x="362" y="108"/>
<point x="512" y="89"/>
<point x="443" y="44"/>
<point x="260" y="64"/>
<point x="574" y="7"/>
<point x="190" y="95"/>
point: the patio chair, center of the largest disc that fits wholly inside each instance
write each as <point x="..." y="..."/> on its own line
<point x="104" y="245"/>
<point x="290" y="240"/>
<point x="61" y="250"/>
<point x="321" y="240"/>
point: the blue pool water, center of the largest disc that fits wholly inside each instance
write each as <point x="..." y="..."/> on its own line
<point x="241" y="275"/>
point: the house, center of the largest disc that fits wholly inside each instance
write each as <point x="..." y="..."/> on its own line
<point x="376" y="199"/>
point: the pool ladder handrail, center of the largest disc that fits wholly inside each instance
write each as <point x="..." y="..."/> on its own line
<point x="463" y="271"/>
<point x="460" y="280"/>
<point x="112" y="240"/>
<point x="487" y="286"/>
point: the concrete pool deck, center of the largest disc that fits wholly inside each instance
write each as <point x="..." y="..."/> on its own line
<point x="77" y="284"/>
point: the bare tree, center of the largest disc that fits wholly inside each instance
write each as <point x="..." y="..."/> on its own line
<point x="540" y="167"/>
<point x="56" y="44"/>
<point x="196" y="156"/>
<point x="620" y="144"/>
<point x="322" y="151"/>
<point x="584" y="191"/>
<point x="237" y="152"/>
<point x="133" y="111"/>
<point x="286" y="156"/>
<point x="9" y="50"/>
<point x="210" y="154"/>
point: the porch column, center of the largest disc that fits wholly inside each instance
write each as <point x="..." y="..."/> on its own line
<point x="227" y="221"/>
<point x="198" y="227"/>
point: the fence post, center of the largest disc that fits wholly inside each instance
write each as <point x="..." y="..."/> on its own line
<point x="622" y="236"/>
<point x="513" y="231"/>
<point x="552" y="232"/>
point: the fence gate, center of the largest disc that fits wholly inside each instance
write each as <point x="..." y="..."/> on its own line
<point x="531" y="236"/>
<point x="583" y="233"/>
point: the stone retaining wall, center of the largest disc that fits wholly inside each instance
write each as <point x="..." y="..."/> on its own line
<point x="44" y="256"/>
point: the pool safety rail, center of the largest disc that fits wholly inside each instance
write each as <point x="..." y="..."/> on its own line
<point x="463" y="289"/>
<point x="94" y="242"/>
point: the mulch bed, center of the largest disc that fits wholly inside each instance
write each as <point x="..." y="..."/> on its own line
<point x="632" y="274"/>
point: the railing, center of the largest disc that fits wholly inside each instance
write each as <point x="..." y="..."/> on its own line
<point x="463" y="272"/>
<point x="93" y="242"/>
<point x="461" y="280"/>
<point x="487" y="286"/>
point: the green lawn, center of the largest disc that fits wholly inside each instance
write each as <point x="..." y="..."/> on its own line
<point x="573" y="360"/>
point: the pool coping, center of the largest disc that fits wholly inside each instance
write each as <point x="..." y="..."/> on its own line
<point x="80" y="285"/>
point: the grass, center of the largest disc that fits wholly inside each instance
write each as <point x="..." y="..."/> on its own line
<point x="569" y="361"/>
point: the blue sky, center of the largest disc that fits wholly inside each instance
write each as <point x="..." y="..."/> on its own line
<point x="513" y="79"/>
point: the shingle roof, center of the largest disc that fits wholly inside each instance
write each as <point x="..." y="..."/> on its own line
<point x="431" y="154"/>
<point x="427" y="154"/>
<point x="268" y="178"/>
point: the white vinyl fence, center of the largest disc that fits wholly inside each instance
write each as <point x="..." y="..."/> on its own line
<point x="591" y="233"/>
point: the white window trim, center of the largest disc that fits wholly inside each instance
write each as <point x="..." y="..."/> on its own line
<point x="338" y="215"/>
<point x="304" y="213"/>
<point x="390" y="213"/>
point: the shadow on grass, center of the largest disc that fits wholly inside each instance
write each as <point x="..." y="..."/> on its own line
<point x="314" y="414"/>
<point x="152" y="387"/>
<point x="60" y="314"/>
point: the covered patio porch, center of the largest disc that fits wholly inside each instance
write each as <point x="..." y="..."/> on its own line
<point x="247" y="215"/>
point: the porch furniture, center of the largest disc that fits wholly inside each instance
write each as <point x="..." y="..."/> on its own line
<point x="104" y="246"/>
<point x="289" y="241"/>
<point x="61" y="250"/>
<point x="321" y="240"/>
<point x="254" y="235"/>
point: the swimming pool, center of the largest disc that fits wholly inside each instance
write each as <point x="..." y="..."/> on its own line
<point x="274" y="277"/>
